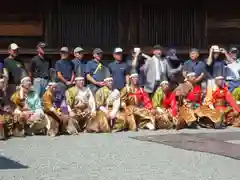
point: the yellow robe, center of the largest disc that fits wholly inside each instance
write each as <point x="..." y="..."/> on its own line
<point x="82" y="103"/>
<point x="110" y="100"/>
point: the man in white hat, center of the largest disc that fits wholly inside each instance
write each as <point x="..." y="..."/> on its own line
<point x="134" y="97"/>
<point x="28" y="106"/>
<point x="13" y="69"/>
<point x="118" y="69"/>
<point x="81" y="104"/>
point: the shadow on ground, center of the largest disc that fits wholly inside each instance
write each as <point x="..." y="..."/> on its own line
<point x="6" y="163"/>
<point x="214" y="143"/>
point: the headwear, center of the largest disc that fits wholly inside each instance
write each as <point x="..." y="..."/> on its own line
<point x="13" y="46"/>
<point x="234" y="50"/>
<point x="172" y="54"/>
<point x="97" y="51"/>
<point x="78" y="49"/>
<point x="164" y="82"/>
<point x="64" y="49"/>
<point x="219" y="78"/>
<point x="133" y="75"/>
<point x="79" y="78"/>
<point x="158" y="47"/>
<point x="118" y="50"/>
<point x="215" y="48"/>
<point x="41" y="45"/>
<point x="191" y="74"/>
<point x="194" y="50"/>
<point x="25" y="78"/>
<point x="50" y="84"/>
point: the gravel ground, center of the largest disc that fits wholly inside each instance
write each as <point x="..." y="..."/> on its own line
<point x="111" y="157"/>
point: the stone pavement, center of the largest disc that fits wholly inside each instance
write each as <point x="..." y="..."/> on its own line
<point x="113" y="157"/>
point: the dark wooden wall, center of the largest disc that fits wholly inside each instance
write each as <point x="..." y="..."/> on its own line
<point x="106" y="24"/>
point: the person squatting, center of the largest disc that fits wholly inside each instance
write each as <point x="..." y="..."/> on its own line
<point x="144" y="92"/>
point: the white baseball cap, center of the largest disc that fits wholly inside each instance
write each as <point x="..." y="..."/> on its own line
<point x="118" y="50"/>
<point x="13" y="46"/>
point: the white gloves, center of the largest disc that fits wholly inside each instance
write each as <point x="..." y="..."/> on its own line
<point x="103" y="109"/>
<point x="211" y="106"/>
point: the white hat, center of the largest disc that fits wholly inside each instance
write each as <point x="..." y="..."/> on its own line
<point x="219" y="78"/>
<point x="13" y="46"/>
<point x="134" y="75"/>
<point x="78" y="49"/>
<point x="25" y="78"/>
<point x="79" y="78"/>
<point x="108" y="79"/>
<point x="118" y="50"/>
<point x="51" y="83"/>
<point x="191" y="74"/>
<point x="215" y="48"/>
<point x="164" y="82"/>
<point x="64" y="49"/>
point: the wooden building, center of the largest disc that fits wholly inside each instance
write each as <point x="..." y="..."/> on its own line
<point x="106" y="24"/>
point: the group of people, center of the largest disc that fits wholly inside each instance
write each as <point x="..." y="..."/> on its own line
<point x="143" y="92"/>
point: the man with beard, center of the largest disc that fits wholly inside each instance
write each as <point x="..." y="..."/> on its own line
<point x="13" y="69"/>
<point x="137" y="102"/>
<point x="108" y="105"/>
<point x="28" y="108"/>
<point x="81" y="104"/>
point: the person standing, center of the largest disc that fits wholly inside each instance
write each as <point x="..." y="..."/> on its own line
<point x="65" y="70"/>
<point x="216" y="64"/>
<point x="157" y="69"/>
<point x="39" y="70"/>
<point x="14" y="69"/>
<point x="78" y="62"/>
<point x="118" y="70"/>
<point x="95" y="71"/>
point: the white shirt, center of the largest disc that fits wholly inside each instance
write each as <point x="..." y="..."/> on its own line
<point x="157" y="66"/>
<point x="233" y="70"/>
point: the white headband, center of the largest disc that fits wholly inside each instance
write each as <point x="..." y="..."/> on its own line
<point x="108" y="79"/>
<point x="51" y="83"/>
<point x="25" y="78"/>
<point x="134" y="75"/>
<point x="219" y="77"/>
<point x="79" y="78"/>
<point x="191" y="74"/>
<point x="164" y="82"/>
<point x="2" y="80"/>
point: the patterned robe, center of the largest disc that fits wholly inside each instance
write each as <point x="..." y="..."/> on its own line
<point x="110" y="100"/>
<point x="29" y="105"/>
<point x="82" y="103"/>
<point x="223" y="102"/>
<point x="166" y="106"/>
<point x="138" y="103"/>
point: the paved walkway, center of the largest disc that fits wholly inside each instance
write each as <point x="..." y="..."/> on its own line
<point x="110" y="157"/>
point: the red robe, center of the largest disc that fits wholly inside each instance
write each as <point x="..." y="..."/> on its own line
<point x="170" y="102"/>
<point x="142" y="98"/>
<point x="195" y="95"/>
<point x="223" y="95"/>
